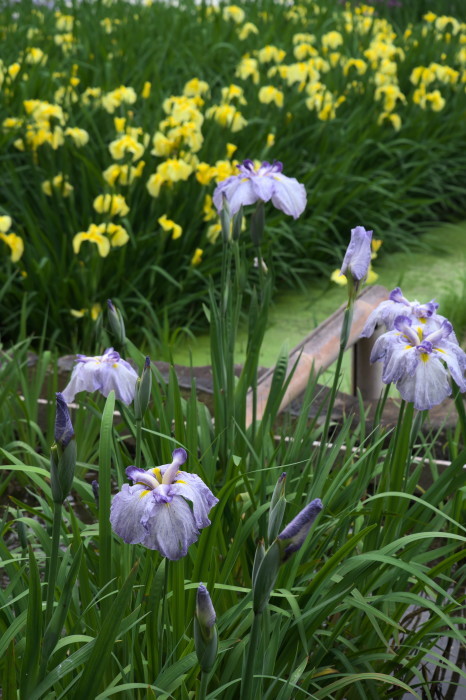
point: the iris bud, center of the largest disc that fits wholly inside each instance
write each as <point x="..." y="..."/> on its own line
<point x="62" y="453"/>
<point x="143" y="390"/>
<point x="205" y="630"/>
<point x="277" y="508"/>
<point x="117" y="324"/>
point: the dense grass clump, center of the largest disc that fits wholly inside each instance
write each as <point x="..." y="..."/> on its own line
<point x="118" y="120"/>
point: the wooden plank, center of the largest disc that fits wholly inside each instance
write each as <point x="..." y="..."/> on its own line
<point x="317" y="351"/>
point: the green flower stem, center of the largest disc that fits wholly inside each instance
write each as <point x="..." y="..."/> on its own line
<point x="164" y="606"/>
<point x="203" y="686"/>
<point x="138" y="442"/>
<point x="52" y="573"/>
<point x="345" y="331"/>
<point x="247" y="680"/>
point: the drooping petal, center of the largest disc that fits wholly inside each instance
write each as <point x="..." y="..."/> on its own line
<point x="289" y="195"/>
<point x="192" y="487"/>
<point x="455" y="359"/>
<point x="170" y="528"/>
<point x="238" y="192"/>
<point x="118" y="378"/>
<point x="427" y="386"/>
<point x="263" y="187"/>
<point x="83" y="378"/>
<point x="127" y="511"/>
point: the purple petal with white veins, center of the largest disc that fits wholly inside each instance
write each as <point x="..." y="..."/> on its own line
<point x="127" y="511"/>
<point x="455" y="359"/>
<point x="120" y="379"/>
<point x="190" y="486"/>
<point x="83" y="378"/>
<point x="170" y="528"/>
<point x="263" y="187"/>
<point x="427" y="386"/>
<point x="289" y="195"/>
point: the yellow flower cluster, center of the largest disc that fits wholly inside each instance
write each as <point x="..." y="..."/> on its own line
<point x="104" y="236"/>
<point x="58" y="184"/>
<point x="13" y="241"/>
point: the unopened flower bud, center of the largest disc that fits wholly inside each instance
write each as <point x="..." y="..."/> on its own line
<point x="259" y="556"/>
<point x="62" y="453"/>
<point x="277" y="508"/>
<point x="95" y="491"/>
<point x="117" y="325"/>
<point x="294" y="534"/>
<point x="205" y="630"/>
<point x="143" y="390"/>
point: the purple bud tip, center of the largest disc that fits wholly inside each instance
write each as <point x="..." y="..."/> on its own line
<point x="204" y="609"/>
<point x="95" y="490"/>
<point x="179" y="455"/>
<point x="282" y="476"/>
<point x="296" y="531"/>
<point x="147" y="363"/>
<point x="110" y="305"/>
<point x="64" y="431"/>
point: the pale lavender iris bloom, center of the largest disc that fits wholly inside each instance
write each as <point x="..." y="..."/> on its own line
<point x="155" y="510"/>
<point x="414" y="356"/>
<point x="358" y="254"/>
<point x="398" y="305"/>
<point x="296" y="531"/>
<point x="264" y="184"/>
<point x="102" y="373"/>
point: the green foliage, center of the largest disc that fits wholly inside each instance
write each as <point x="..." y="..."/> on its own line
<point x="339" y="622"/>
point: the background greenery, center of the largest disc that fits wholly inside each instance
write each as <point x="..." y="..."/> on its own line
<point x="355" y="170"/>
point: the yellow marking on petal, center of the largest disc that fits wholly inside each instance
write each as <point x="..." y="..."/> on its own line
<point x="420" y="332"/>
<point x="422" y="320"/>
<point x="158" y="474"/>
<point x="143" y="493"/>
<point x="408" y="347"/>
<point x="440" y="350"/>
<point x="115" y="364"/>
<point x="424" y="356"/>
<point x="180" y="481"/>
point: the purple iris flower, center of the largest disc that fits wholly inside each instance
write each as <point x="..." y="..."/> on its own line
<point x="264" y="184"/>
<point x="155" y="512"/>
<point x="358" y="254"/>
<point x="102" y="373"/>
<point x="296" y="531"/>
<point x="398" y="305"/>
<point x="418" y="358"/>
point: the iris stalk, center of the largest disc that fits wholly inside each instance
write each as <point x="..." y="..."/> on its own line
<point x="247" y="680"/>
<point x="54" y="556"/>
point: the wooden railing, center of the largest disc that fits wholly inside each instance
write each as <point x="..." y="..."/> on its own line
<point x="319" y="350"/>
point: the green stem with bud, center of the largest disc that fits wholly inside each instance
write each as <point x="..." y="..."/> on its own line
<point x="247" y="681"/>
<point x="203" y="686"/>
<point x="138" y="442"/>
<point x="344" y="336"/>
<point x="52" y="573"/>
